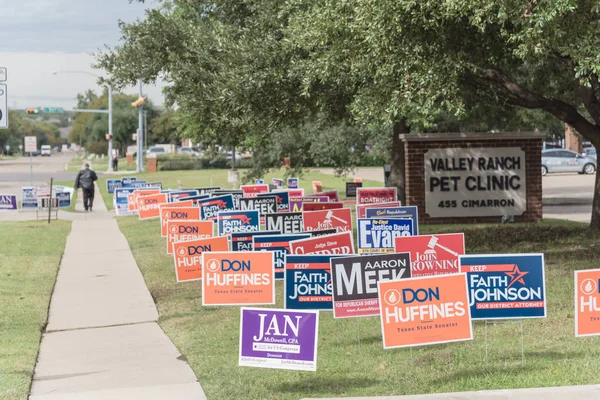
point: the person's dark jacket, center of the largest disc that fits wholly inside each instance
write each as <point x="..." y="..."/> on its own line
<point x="85" y="179"/>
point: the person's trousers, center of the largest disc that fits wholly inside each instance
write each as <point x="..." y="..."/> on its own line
<point x="88" y="197"/>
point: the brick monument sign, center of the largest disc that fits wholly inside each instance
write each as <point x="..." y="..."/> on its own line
<point x="474" y="177"/>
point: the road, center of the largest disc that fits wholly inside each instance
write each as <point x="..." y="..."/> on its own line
<point x="16" y="172"/>
<point x="565" y="196"/>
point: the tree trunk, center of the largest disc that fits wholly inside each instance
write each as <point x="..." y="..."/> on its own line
<point x="397" y="176"/>
<point x="595" y="222"/>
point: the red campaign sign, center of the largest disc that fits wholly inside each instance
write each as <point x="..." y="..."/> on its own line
<point x="340" y="219"/>
<point x="338" y="243"/>
<point x="293" y="192"/>
<point x="332" y="194"/>
<point x="322" y="206"/>
<point x="432" y="254"/>
<point x="375" y="195"/>
<point x="253" y="190"/>
<point x="361" y="211"/>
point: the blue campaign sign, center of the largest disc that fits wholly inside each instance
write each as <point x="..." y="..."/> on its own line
<point x="237" y="221"/>
<point x="195" y="199"/>
<point x="29" y="200"/>
<point x="128" y="181"/>
<point x="280" y="245"/>
<point x="378" y="235"/>
<point x="209" y="208"/>
<point x="135" y="185"/>
<point x="122" y="201"/>
<point x="307" y="283"/>
<point x="503" y="286"/>
<point x="411" y="212"/>
<point x="181" y="195"/>
<point x="292" y="183"/>
<point x="242" y="241"/>
<point x="282" y="200"/>
<point x="64" y="199"/>
<point x="112" y="184"/>
<point x="259" y="181"/>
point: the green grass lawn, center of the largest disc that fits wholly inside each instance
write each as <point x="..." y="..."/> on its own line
<point x="29" y="257"/>
<point x="208" y="337"/>
<point x="218" y="177"/>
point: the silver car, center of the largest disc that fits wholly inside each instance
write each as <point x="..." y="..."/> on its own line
<point x="561" y="160"/>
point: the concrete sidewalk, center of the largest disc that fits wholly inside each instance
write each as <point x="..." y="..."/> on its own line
<point x="586" y="392"/>
<point x="102" y="340"/>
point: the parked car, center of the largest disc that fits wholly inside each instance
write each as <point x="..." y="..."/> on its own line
<point x="156" y="150"/>
<point x="238" y="156"/>
<point x="562" y="160"/>
<point x="36" y="153"/>
<point x="188" y="150"/>
<point x="46" y="150"/>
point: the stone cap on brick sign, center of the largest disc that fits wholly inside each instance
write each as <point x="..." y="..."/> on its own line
<point x="420" y="137"/>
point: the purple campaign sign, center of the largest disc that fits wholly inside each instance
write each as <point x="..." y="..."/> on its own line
<point x="282" y="339"/>
<point x="8" y="202"/>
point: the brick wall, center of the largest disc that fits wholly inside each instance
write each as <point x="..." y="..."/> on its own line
<point x="416" y="146"/>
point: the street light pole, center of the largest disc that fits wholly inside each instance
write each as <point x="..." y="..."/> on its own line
<point x="110" y="115"/>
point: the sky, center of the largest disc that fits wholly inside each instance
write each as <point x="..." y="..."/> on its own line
<point x="40" y="37"/>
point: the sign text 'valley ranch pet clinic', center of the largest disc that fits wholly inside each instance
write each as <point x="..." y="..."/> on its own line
<point x="475" y="182"/>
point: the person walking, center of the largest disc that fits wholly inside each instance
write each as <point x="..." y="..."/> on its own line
<point x="115" y="162"/>
<point x="85" y="180"/>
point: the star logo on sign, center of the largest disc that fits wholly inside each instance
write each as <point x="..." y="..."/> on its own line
<point x="244" y="219"/>
<point x="517" y="276"/>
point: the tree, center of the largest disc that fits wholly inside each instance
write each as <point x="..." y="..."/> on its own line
<point x="163" y="128"/>
<point x="241" y="70"/>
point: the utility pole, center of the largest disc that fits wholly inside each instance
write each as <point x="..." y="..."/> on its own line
<point x="140" y="137"/>
<point x="110" y="128"/>
<point x="145" y="130"/>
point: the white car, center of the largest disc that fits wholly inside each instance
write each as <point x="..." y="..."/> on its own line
<point x="188" y="150"/>
<point x="46" y="150"/>
<point x="155" y="150"/>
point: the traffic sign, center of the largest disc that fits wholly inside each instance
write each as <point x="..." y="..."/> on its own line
<point x="3" y="107"/>
<point x="30" y="144"/>
<point x="3" y="75"/>
<point x="56" y="110"/>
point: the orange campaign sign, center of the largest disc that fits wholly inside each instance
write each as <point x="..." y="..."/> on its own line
<point x="177" y="211"/>
<point x="238" y="278"/>
<point x="149" y="206"/>
<point x="188" y="256"/>
<point x="132" y="198"/>
<point x="587" y="302"/>
<point x="182" y="230"/>
<point x="424" y="310"/>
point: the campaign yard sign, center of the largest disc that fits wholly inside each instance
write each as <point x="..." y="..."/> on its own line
<point x="121" y="201"/>
<point x="277" y="182"/>
<point x="339" y="219"/>
<point x="282" y="200"/>
<point x="307" y="284"/>
<point x="177" y="211"/>
<point x="281" y="339"/>
<point x="587" y="302"/>
<point x="243" y="241"/>
<point x="433" y="254"/>
<point x="279" y="245"/>
<point x="184" y="230"/>
<point x="207" y="191"/>
<point x="333" y="195"/>
<point x="330" y="205"/>
<point x="293" y="183"/>
<point x="322" y="232"/>
<point x="64" y="199"/>
<point x="149" y="206"/>
<point x="259" y="181"/>
<point x="112" y="184"/>
<point x="229" y="222"/>
<point x="351" y="188"/>
<point x="378" y="235"/>
<point x="235" y="194"/>
<point x="128" y="181"/>
<point x="284" y="222"/>
<point x="182" y="195"/>
<point x="338" y="243"/>
<point x="135" y="184"/>
<point x="188" y="256"/>
<point x="374" y="195"/>
<point x="193" y="199"/>
<point x="411" y="212"/>
<point x="355" y="280"/>
<point x="29" y="200"/>
<point x="425" y="310"/>
<point x="8" y="202"/>
<point x="293" y="193"/>
<point x="253" y="190"/>
<point x="361" y="211"/>
<point x="210" y="208"/>
<point x="237" y="278"/>
<point x="504" y="286"/>
<point x="264" y="205"/>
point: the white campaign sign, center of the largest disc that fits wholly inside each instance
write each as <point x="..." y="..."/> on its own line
<point x="471" y="182"/>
